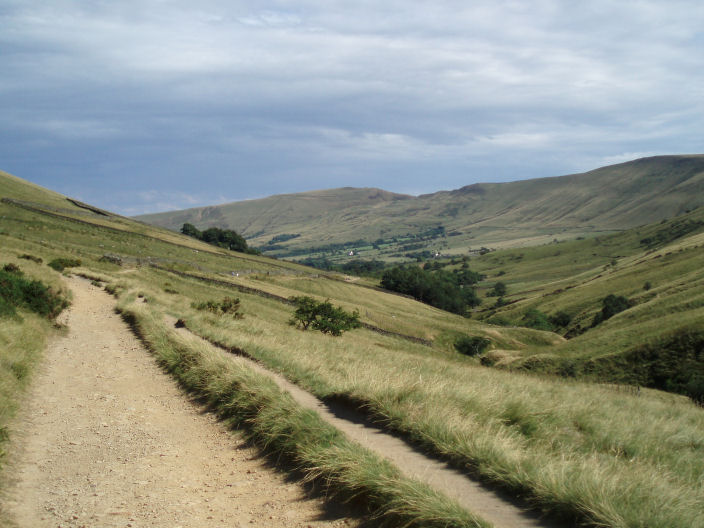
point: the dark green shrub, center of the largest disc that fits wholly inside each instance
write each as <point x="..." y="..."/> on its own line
<point x="19" y="369"/>
<point x="471" y="345"/>
<point x="500" y="302"/>
<point x="647" y="285"/>
<point x="19" y="292"/>
<point x="560" y="319"/>
<point x="499" y="290"/>
<point x="7" y="309"/>
<point x="443" y="289"/>
<point x="536" y="319"/>
<point x="499" y="320"/>
<point x="225" y="238"/>
<point x="323" y="316"/>
<point x="12" y="268"/>
<point x="229" y="305"/>
<point x="60" y="264"/>
<point x="695" y="389"/>
<point x="611" y="305"/>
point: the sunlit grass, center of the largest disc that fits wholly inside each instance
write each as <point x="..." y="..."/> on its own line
<point x="286" y="431"/>
<point x="614" y="458"/>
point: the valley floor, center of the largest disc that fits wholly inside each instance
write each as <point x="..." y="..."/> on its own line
<point x="107" y="439"/>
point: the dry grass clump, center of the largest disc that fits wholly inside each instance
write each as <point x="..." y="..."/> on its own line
<point x="273" y="420"/>
<point x="611" y="458"/>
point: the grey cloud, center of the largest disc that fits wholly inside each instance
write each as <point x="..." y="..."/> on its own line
<point x="278" y="97"/>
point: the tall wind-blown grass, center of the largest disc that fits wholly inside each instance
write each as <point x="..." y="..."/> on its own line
<point x="273" y="420"/>
<point x="609" y="458"/>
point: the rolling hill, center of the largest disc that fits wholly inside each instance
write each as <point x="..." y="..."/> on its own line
<point x="638" y="461"/>
<point x="520" y="213"/>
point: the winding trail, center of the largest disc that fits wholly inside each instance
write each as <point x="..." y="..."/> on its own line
<point x="501" y="510"/>
<point x="108" y="440"/>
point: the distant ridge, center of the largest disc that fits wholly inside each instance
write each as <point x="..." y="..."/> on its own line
<point x="606" y="199"/>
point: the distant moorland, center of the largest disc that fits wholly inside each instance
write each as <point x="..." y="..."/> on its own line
<point x="378" y="224"/>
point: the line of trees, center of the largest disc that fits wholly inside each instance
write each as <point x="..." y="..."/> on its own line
<point x="446" y="290"/>
<point x="225" y="238"/>
<point x="369" y="268"/>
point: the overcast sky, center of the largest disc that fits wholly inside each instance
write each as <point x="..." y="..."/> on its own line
<point x="149" y="105"/>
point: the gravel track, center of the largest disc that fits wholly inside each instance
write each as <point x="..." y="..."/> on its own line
<point x="107" y="439"/>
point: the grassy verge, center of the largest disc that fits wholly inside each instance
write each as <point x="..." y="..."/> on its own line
<point x="26" y="311"/>
<point x="21" y="345"/>
<point x="274" y="421"/>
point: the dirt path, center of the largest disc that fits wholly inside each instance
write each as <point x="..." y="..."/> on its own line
<point x="501" y="511"/>
<point x="108" y="440"/>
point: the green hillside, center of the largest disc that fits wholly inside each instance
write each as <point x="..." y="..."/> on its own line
<point x="657" y="341"/>
<point x="638" y="461"/>
<point x="520" y="213"/>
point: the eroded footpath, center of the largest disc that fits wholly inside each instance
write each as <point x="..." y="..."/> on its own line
<point x="107" y="439"/>
<point x="500" y="510"/>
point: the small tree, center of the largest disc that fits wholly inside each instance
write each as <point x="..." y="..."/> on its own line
<point x="306" y="311"/>
<point x="190" y="230"/>
<point x="498" y="291"/>
<point x="60" y="264"/>
<point x="323" y="316"/>
<point x="471" y="345"/>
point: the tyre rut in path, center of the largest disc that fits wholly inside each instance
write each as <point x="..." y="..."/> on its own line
<point x="107" y="439"/>
<point x="501" y="511"/>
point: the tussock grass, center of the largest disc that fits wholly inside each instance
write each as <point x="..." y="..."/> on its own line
<point x="274" y="421"/>
<point x="609" y="458"/>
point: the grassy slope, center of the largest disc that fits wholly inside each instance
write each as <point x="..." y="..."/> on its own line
<point x="309" y="213"/>
<point x="526" y="212"/>
<point x="575" y="276"/>
<point x="539" y="436"/>
<point x="240" y="396"/>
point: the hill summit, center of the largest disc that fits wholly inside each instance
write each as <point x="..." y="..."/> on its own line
<point x="525" y="212"/>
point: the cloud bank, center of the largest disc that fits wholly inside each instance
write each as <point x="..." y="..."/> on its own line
<point x="140" y="106"/>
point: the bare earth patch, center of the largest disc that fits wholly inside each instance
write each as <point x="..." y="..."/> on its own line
<point x="109" y="440"/>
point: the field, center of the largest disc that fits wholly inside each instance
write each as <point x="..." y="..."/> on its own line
<point x="603" y="454"/>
